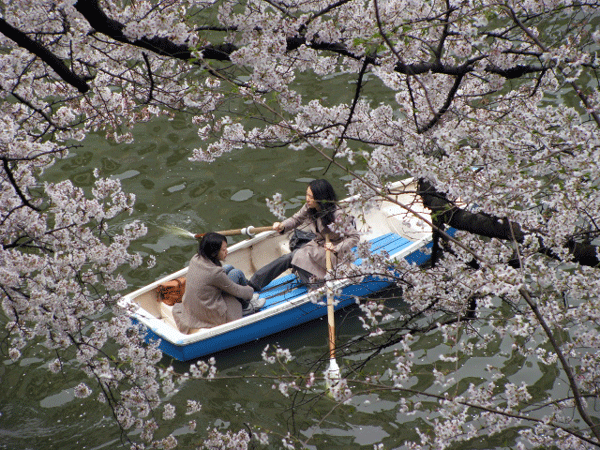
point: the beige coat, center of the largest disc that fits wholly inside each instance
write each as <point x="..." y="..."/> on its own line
<point x="311" y="257"/>
<point x="210" y="297"/>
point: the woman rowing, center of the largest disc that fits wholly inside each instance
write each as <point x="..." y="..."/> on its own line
<point x="319" y="214"/>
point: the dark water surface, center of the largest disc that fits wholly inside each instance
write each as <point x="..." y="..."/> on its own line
<point x="175" y="196"/>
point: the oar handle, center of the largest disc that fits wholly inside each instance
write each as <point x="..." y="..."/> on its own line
<point x="248" y="231"/>
<point x="328" y="264"/>
<point x="330" y="308"/>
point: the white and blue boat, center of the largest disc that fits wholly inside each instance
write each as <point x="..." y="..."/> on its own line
<point x="388" y="228"/>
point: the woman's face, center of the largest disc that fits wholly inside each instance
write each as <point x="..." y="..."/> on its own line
<point x="222" y="252"/>
<point x="310" y="200"/>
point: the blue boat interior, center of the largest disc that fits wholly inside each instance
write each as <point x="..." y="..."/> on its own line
<point x="289" y="287"/>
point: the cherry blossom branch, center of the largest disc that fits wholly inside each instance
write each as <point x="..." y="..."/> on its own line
<point x="101" y="23"/>
<point x="359" y="84"/>
<point x="329" y="8"/>
<point x="573" y="84"/>
<point x="45" y="55"/>
<point x="594" y="427"/>
<point x="15" y="185"/>
<point x="400" y="61"/>
<point x="46" y="117"/>
<point x="372" y="386"/>
<point x="438" y="114"/>
<point x="438" y="67"/>
<point x="98" y="19"/>
<point x="489" y="226"/>
<point x="91" y="10"/>
<point x="497" y="411"/>
<point x="398" y="333"/>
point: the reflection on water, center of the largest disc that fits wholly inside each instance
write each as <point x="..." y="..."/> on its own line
<point x="128" y="174"/>
<point x="242" y="196"/>
<point x="176" y="188"/>
<point x="56" y="400"/>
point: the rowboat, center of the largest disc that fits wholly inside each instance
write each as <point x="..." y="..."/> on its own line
<point x="388" y="228"/>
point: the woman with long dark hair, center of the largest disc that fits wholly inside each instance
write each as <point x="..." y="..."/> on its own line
<point x="214" y="294"/>
<point x="317" y="216"/>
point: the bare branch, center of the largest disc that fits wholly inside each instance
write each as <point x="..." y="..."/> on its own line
<point x="150" y="76"/>
<point x="48" y="57"/>
<point x="577" y="397"/>
<point x="15" y="185"/>
<point x="359" y="84"/>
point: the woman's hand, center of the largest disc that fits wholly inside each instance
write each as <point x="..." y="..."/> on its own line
<point x="330" y="246"/>
<point x="278" y="227"/>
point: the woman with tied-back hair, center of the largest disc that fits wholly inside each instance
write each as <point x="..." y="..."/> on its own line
<point x="317" y="215"/>
<point x="214" y="294"/>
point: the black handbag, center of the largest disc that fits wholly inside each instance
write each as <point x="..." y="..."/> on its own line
<point x="300" y="238"/>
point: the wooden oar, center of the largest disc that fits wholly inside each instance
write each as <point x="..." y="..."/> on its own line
<point x="248" y="231"/>
<point x="334" y="370"/>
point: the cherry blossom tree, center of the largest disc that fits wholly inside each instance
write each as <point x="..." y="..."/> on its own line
<point x="492" y="105"/>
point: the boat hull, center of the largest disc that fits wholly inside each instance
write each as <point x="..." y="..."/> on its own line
<point x="302" y="312"/>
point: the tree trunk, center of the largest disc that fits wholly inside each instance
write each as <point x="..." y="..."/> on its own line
<point x="446" y="212"/>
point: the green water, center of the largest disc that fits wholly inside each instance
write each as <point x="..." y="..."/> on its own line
<point x="177" y="198"/>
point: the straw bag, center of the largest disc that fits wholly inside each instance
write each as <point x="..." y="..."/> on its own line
<point x="171" y="292"/>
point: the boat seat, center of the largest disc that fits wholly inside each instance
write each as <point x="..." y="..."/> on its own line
<point x="166" y="314"/>
<point x="395" y="216"/>
<point x="404" y="223"/>
<point x="285" y="287"/>
<point x="390" y="243"/>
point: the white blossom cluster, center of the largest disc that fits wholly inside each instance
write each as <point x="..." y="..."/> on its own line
<point x="277" y="206"/>
<point x="283" y="356"/>
<point x="228" y="440"/>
